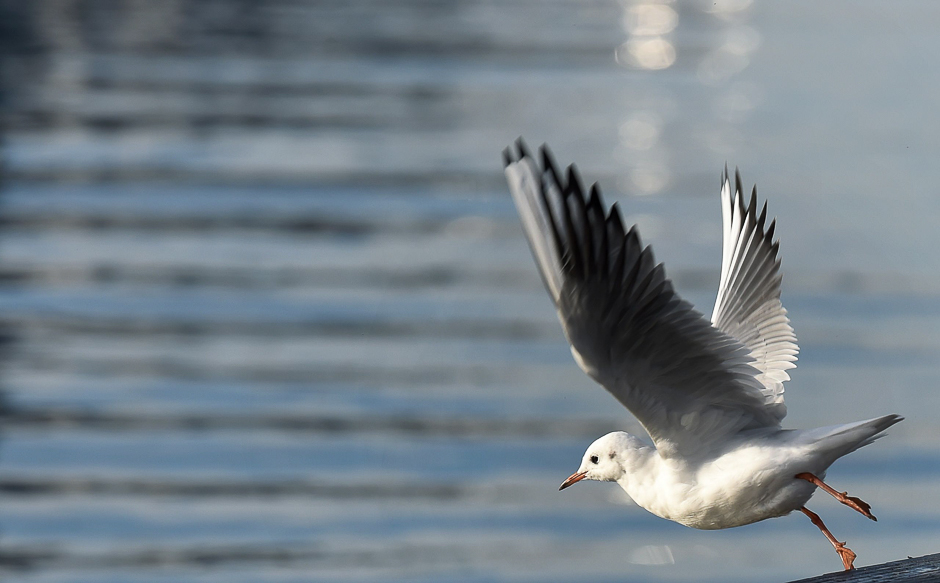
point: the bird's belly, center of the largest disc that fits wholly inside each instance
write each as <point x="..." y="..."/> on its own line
<point x="745" y="506"/>
<point x="725" y="496"/>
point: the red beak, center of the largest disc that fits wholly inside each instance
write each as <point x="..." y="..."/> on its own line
<point x="572" y="479"/>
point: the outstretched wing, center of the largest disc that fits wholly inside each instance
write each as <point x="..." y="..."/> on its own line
<point x="687" y="382"/>
<point x="748" y="305"/>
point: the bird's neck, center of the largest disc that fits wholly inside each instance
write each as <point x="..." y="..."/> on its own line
<point x="642" y="467"/>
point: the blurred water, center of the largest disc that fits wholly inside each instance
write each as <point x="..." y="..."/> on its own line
<point x="268" y="315"/>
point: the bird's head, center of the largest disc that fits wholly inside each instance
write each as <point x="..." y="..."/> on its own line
<point x="607" y="459"/>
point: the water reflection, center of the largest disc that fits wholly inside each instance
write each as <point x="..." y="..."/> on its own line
<point x="656" y="43"/>
<point x="641" y="130"/>
<point x="730" y="57"/>
<point x="652" y="555"/>
<point x="649" y="26"/>
<point x="647" y="53"/>
<point x="648" y="45"/>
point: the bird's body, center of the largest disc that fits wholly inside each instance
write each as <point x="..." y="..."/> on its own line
<point x="709" y="393"/>
<point x="750" y="479"/>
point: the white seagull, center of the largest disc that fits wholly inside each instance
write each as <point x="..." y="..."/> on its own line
<point x="709" y="393"/>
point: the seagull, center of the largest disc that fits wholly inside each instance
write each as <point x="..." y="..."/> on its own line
<point x="709" y="393"/>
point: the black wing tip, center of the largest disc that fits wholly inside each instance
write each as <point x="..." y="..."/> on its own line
<point x="507" y="157"/>
<point x="634" y="237"/>
<point x="519" y="150"/>
<point x="752" y="204"/>
<point x="596" y="200"/>
<point x="577" y="255"/>
<point x="615" y="211"/>
<point x="523" y="148"/>
<point x="762" y="218"/>
<point x="574" y="181"/>
<point x="515" y="151"/>
<point x="614" y="220"/>
<point x="549" y="164"/>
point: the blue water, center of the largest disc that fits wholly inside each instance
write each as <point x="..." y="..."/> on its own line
<point x="268" y="314"/>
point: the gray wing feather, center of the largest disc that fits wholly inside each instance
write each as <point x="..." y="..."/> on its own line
<point x="687" y="382"/>
<point x="748" y="305"/>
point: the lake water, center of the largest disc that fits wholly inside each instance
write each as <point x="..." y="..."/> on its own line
<point x="268" y="315"/>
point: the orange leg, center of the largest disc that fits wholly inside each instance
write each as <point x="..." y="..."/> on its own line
<point x="848" y="557"/>
<point x="850" y="501"/>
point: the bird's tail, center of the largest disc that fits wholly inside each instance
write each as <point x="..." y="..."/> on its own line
<point x="840" y="440"/>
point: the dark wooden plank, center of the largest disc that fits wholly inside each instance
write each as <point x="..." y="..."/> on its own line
<point x="924" y="569"/>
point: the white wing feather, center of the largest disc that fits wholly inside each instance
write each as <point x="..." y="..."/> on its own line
<point x="689" y="383"/>
<point x="748" y="305"/>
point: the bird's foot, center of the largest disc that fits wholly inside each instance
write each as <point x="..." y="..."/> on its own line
<point x="848" y="557"/>
<point x="852" y="502"/>
<point x="856" y="504"/>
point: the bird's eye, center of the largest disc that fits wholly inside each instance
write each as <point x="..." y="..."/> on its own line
<point x="593" y="459"/>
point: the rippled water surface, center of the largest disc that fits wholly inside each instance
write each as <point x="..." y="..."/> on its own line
<point x="267" y="313"/>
